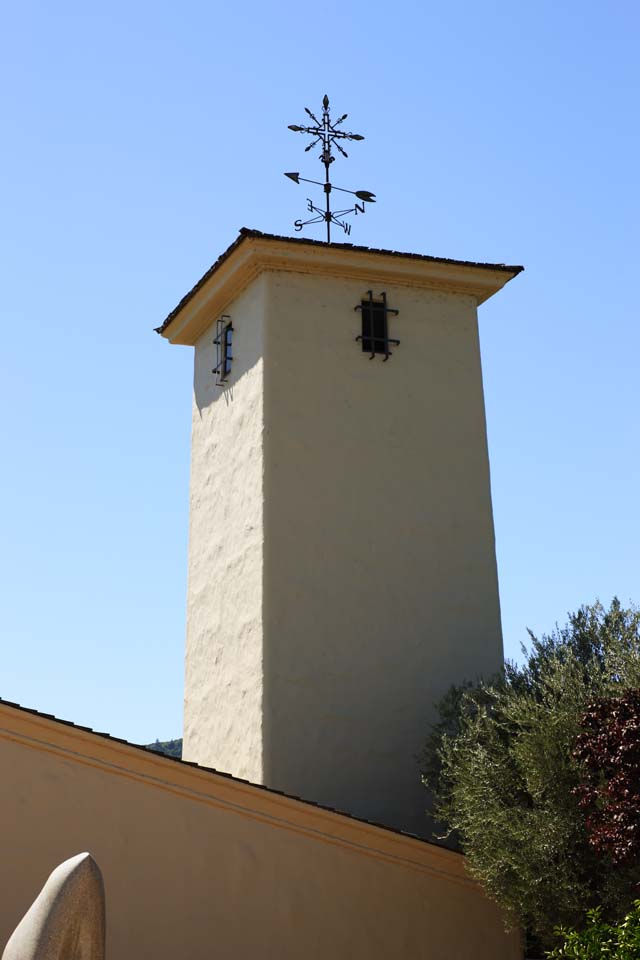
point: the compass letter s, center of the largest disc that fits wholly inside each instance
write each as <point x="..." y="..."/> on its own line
<point x="298" y="224"/>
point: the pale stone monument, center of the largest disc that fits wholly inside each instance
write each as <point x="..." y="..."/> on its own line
<point x="67" y="919"/>
<point x="342" y="570"/>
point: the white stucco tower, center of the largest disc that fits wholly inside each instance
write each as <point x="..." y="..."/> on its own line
<point x="342" y="568"/>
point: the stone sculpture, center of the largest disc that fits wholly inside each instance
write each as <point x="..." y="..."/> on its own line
<point x="67" y="919"/>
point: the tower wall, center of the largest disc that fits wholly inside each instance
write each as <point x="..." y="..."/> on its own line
<point x="223" y="714"/>
<point x="380" y="584"/>
<point x="342" y="570"/>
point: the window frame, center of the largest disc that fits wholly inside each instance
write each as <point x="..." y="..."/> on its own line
<point x="223" y="342"/>
<point x="375" y="313"/>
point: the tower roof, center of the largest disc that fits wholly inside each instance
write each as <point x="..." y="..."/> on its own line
<point x="253" y="252"/>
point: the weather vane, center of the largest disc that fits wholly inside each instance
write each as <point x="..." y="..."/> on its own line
<point x="326" y="132"/>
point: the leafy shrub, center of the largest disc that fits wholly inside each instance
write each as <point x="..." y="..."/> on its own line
<point x="609" y="792"/>
<point x="599" y="940"/>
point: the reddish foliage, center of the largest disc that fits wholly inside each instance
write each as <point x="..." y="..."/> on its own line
<point x="609" y="794"/>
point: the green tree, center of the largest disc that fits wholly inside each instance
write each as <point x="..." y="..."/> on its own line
<point x="599" y="940"/>
<point x="170" y="748"/>
<point x="502" y="775"/>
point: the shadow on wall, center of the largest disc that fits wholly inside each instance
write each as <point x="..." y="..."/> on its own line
<point x="245" y="351"/>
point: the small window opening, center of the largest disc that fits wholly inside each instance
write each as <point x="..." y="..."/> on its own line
<point x="375" y="326"/>
<point x="224" y="349"/>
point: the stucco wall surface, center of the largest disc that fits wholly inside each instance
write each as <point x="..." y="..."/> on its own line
<point x="198" y="866"/>
<point x="223" y="663"/>
<point x="380" y="581"/>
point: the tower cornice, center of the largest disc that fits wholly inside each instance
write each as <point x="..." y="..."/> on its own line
<point x="254" y="253"/>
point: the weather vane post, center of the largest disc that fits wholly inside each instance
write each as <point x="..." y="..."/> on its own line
<point x="326" y="133"/>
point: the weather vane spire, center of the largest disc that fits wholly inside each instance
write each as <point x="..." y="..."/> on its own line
<point x="327" y="133"/>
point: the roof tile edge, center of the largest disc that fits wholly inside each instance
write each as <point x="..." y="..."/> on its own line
<point x="282" y="805"/>
<point x="180" y="335"/>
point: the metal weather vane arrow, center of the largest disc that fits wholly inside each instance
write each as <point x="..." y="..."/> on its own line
<point x="326" y="133"/>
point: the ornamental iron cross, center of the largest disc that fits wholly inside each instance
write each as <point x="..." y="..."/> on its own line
<point x="327" y="134"/>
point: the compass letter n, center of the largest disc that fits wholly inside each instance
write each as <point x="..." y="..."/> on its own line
<point x="359" y="209"/>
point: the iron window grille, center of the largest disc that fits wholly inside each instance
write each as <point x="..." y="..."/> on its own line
<point x="375" y="326"/>
<point x="224" y="349"/>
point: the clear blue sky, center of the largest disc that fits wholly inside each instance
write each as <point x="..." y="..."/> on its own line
<point x="138" y="137"/>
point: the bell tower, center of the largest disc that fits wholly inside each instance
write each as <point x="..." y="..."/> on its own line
<point x="342" y="570"/>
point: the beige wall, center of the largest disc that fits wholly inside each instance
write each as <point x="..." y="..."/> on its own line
<point x="199" y="866"/>
<point x="380" y="583"/>
<point x="342" y="562"/>
<point x="223" y="664"/>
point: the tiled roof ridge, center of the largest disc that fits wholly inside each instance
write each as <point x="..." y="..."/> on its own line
<point x="247" y="232"/>
<point x="218" y="773"/>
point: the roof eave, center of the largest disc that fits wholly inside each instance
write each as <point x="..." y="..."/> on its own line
<point x="253" y="253"/>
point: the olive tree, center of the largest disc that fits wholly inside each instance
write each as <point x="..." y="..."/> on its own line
<point x="502" y="775"/>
